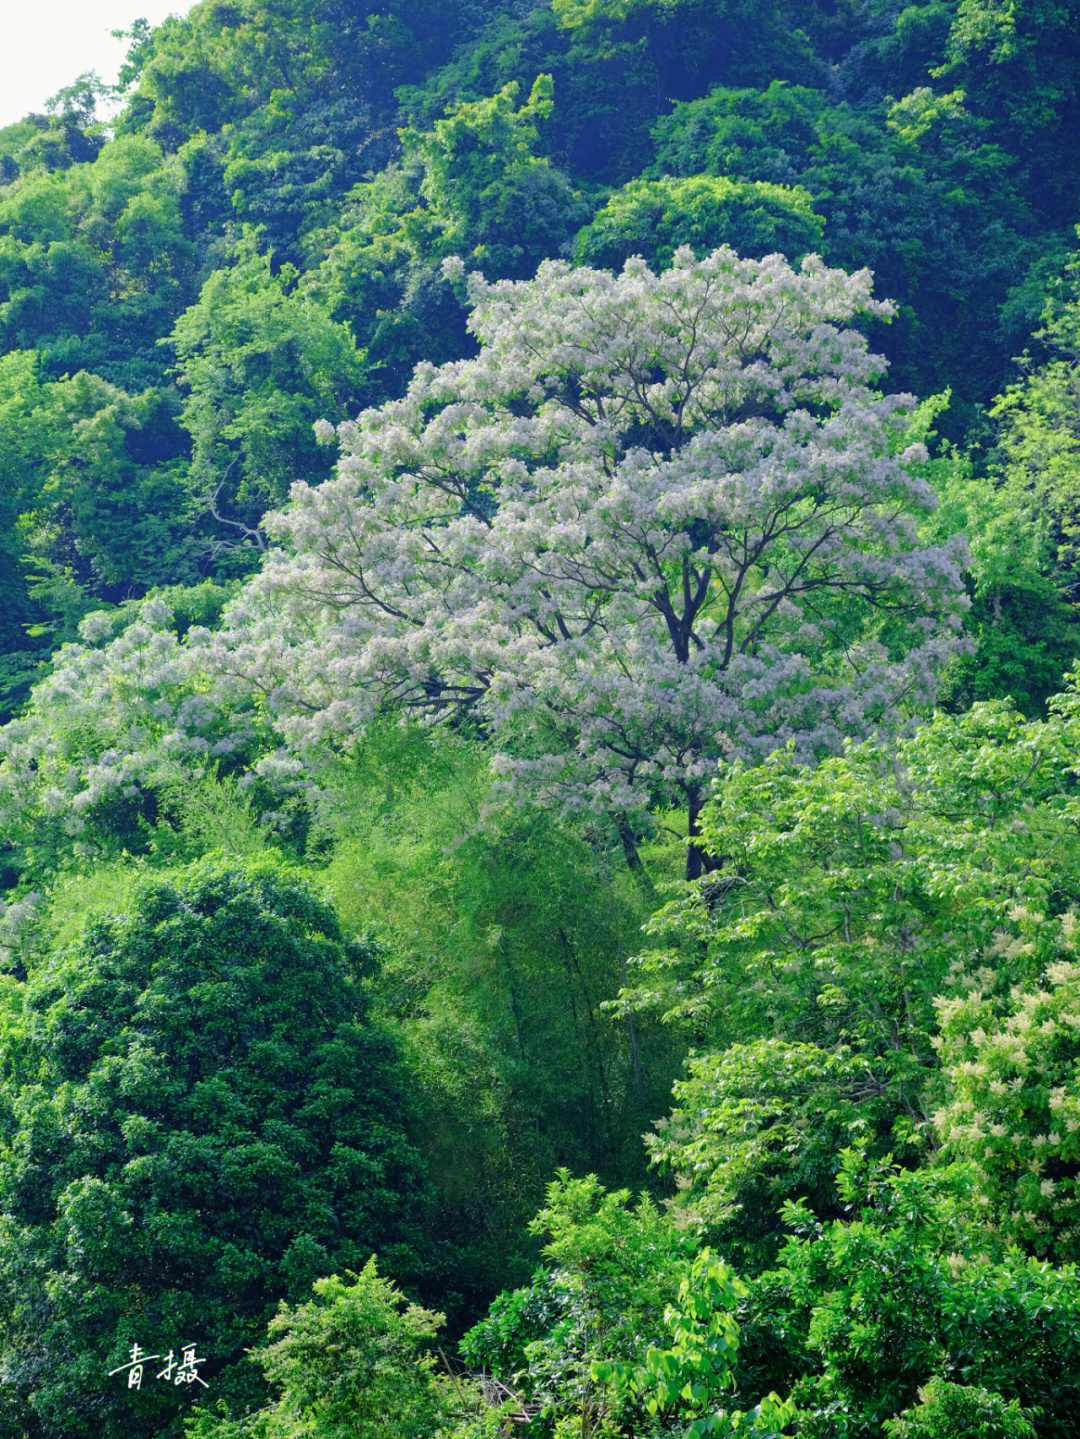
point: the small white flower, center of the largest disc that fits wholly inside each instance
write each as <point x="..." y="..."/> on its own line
<point x="916" y="454"/>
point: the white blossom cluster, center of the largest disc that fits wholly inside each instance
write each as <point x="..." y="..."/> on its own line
<point x="16" y="918"/>
<point x="1014" y="1071"/>
<point x="123" y="711"/>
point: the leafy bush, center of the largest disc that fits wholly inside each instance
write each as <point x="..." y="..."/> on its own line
<point x="354" y="1362"/>
<point x="956" y="1411"/>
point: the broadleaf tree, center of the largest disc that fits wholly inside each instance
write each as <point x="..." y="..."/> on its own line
<point x="198" y="1120"/>
<point x="656" y="521"/>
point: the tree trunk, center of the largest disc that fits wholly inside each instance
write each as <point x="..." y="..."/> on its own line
<point x="633" y="859"/>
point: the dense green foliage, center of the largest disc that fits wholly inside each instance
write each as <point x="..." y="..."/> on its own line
<point x="305" y="997"/>
<point x="198" y="1119"/>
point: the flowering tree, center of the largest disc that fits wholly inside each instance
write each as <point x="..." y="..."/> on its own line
<point x="656" y="521"/>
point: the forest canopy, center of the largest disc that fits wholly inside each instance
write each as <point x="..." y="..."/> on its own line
<point x="540" y="725"/>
